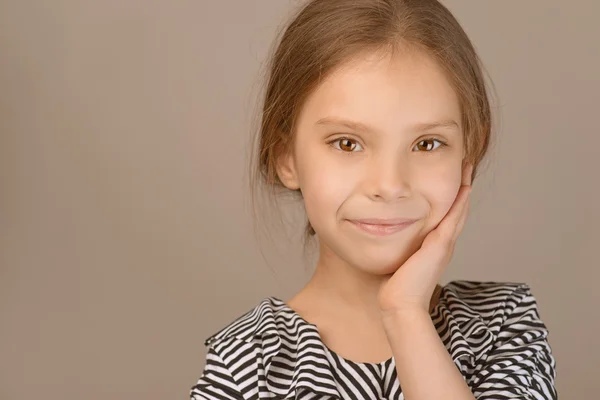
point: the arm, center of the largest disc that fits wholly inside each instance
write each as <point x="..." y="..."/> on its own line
<point x="424" y="366"/>
<point x="216" y="382"/>
<point x="520" y="364"/>
<point x="425" y="369"/>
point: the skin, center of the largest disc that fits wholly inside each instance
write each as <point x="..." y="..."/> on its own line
<point x="366" y="288"/>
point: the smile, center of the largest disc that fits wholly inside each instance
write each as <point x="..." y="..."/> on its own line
<point x="381" y="228"/>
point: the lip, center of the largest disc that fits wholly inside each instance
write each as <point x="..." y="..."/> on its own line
<point x="382" y="227"/>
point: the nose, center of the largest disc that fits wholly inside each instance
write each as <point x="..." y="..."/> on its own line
<point x="389" y="180"/>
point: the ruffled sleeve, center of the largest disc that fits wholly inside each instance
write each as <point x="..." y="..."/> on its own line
<point x="520" y="364"/>
<point x="216" y="381"/>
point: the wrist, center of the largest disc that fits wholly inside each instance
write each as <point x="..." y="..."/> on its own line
<point x="404" y="315"/>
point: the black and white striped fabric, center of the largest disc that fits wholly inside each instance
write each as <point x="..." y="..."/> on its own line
<point x="492" y="331"/>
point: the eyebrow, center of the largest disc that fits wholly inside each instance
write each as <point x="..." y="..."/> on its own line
<point x="359" y="126"/>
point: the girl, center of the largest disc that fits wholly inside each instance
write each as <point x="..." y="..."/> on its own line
<point x="377" y="115"/>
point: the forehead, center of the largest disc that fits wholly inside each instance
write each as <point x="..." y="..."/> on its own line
<point x="407" y="88"/>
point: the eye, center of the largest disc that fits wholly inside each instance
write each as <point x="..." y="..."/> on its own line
<point x="345" y="144"/>
<point x="424" y="145"/>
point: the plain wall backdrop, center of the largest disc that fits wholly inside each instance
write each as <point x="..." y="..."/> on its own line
<point x="125" y="232"/>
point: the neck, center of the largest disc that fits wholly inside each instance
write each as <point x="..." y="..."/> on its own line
<point x="345" y="287"/>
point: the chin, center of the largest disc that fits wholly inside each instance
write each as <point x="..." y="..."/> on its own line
<point x="379" y="263"/>
<point x="377" y="258"/>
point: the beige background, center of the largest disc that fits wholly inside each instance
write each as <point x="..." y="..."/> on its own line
<point x="125" y="235"/>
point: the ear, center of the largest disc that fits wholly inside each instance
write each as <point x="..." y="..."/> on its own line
<point x="286" y="170"/>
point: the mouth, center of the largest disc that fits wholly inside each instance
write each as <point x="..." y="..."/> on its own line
<point x="382" y="227"/>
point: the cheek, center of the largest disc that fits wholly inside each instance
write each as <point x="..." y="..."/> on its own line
<point x="440" y="188"/>
<point x="325" y="186"/>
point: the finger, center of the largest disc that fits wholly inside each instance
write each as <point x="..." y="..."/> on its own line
<point x="467" y="173"/>
<point x="467" y="180"/>
<point x="463" y="217"/>
<point x="447" y="227"/>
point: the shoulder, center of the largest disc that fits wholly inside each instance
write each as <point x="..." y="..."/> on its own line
<point x="493" y="289"/>
<point x="494" y="302"/>
<point x="507" y="338"/>
<point x="492" y="313"/>
<point x="485" y="297"/>
<point x="497" y="307"/>
<point x="233" y="359"/>
<point x="265" y="317"/>
<point x="272" y="348"/>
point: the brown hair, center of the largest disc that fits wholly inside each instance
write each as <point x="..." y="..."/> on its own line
<point x="326" y="33"/>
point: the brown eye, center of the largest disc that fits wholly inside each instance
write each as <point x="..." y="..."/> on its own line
<point x="428" y="145"/>
<point x="345" y="144"/>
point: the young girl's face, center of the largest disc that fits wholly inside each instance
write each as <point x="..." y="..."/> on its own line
<point x="367" y="146"/>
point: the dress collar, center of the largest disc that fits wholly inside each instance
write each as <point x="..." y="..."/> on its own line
<point x="295" y="358"/>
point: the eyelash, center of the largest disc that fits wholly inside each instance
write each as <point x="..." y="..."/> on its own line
<point x="441" y="142"/>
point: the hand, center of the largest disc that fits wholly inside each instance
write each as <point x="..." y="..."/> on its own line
<point x="412" y="285"/>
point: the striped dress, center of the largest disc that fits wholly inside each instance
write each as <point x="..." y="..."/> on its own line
<point x="492" y="331"/>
